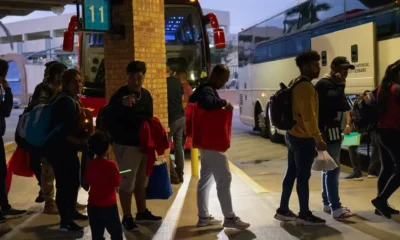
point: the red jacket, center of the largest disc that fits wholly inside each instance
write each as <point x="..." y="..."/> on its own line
<point x="153" y="138"/>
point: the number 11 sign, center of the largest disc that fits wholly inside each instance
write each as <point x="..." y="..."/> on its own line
<point x="96" y="15"/>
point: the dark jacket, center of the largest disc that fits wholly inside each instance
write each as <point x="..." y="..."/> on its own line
<point x="125" y="121"/>
<point x="6" y="104"/>
<point x="207" y="97"/>
<point x="332" y="100"/>
<point x="175" y="94"/>
<point x="42" y="94"/>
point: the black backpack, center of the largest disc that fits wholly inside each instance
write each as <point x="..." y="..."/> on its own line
<point x="365" y="114"/>
<point x="280" y="105"/>
<point x="103" y="120"/>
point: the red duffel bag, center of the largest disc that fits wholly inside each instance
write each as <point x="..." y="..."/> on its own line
<point x="189" y="119"/>
<point x="212" y="129"/>
<point x="19" y="164"/>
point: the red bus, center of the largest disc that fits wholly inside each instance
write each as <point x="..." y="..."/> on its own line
<point x="187" y="48"/>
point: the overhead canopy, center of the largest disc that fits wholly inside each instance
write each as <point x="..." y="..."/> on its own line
<point x="25" y="7"/>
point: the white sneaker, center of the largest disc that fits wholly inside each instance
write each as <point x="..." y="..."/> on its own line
<point x="208" y="221"/>
<point x="236" y="223"/>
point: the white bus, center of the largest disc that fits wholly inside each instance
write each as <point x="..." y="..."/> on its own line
<point x="367" y="32"/>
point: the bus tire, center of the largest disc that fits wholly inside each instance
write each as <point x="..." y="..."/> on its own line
<point x="273" y="134"/>
<point x="262" y="125"/>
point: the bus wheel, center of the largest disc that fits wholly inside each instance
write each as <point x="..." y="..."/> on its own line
<point x="262" y="124"/>
<point x="272" y="132"/>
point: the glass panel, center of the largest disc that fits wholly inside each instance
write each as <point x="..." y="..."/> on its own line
<point x="14" y="78"/>
<point x="245" y="41"/>
<point x="365" y="4"/>
<point x="297" y="44"/>
<point x="325" y="9"/>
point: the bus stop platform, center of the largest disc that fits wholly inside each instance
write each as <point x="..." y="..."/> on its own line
<point x="252" y="203"/>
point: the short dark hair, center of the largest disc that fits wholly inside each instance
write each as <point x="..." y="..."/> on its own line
<point x="220" y="69"/>
<point x="136" y="67"/>
<point x="3" y="68"/>
<point x="99" y="143"/>
<point x="56" y="69"/>
<point x="48" y="65"/>
<point x="307" y="57"/>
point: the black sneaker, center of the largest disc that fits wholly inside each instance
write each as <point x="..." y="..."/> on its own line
<point x="129" y="224"/>
<point x="2" y="218"/>
<point x="39" y="198"/>
<point x="147" y="217"/>
<point x="285" y="216"/>
<point x="79" y="217"/>
<point x="71" y="227"/>
<point x="310" y="220"/>
<point x="355" y="176"/>
<point x="382" y="207"/>
<point x="14" y="212"/>
<point x="392" y="211"/>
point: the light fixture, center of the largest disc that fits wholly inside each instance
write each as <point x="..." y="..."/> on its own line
<point x="58" y="10"/>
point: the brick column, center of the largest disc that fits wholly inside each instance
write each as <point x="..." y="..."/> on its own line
<point x="144" y="41"/>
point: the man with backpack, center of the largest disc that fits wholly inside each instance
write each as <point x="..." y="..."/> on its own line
<point x="333" y="106"/>
<point x="44" y="91"/>
<point x="6" y="103"/>
<point x="303" y="138"/>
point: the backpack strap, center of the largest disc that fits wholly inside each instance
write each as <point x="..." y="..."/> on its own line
<point x="298" y="80"/>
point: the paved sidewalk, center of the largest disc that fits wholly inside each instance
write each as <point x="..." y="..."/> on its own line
<point x="180" y="217"/>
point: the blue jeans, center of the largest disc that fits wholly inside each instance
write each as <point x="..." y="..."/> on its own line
<point x="301" y="154"/>
<point x="330" y="179"/>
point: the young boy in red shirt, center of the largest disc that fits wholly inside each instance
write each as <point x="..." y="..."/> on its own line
<point x="103" y="177"/>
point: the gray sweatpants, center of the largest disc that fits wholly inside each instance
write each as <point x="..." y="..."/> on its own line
<point x="214" y="167"/>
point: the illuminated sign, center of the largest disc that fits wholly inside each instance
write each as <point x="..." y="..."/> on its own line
<point x="96" y="15"/>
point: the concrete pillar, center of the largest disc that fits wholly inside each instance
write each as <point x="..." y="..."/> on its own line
<point x="144" y="41"/>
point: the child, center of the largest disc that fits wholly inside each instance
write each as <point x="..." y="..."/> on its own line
<point x="103" y="177"/>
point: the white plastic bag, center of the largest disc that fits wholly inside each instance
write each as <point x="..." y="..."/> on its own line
<point x="323" y="162"/>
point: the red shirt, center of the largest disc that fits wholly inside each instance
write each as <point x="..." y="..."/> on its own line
<point x="391" y="119"/>
<point x="103" y="177"/>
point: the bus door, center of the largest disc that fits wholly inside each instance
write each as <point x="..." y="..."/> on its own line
<point x="358" y="44"/>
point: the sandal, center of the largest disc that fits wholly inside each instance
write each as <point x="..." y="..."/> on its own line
<point x="342" y="213"/>
<point x="328" y="210"/>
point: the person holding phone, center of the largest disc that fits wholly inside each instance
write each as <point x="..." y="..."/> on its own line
<point x="129" y="107"/>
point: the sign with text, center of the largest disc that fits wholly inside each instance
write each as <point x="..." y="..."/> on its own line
<point x="96" y="15"/>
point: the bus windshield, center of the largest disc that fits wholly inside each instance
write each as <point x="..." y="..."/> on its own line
<point x="185" y="48"/>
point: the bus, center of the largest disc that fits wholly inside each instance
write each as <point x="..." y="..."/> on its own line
<point x="187" y="48"/>
<point x="367" y="32"/>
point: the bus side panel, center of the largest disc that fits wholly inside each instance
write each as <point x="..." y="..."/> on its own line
<point x="325" y="45"/>
<point x="387" y="54"/>
<point x="360" y="50"/>
<point x="245" y="96"/>
<point x="266" y="78"/>
<point x="358" y="44"/>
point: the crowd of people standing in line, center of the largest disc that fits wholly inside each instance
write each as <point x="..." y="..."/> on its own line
<point x="319" y="112"/>
<point x="130" y="106"/>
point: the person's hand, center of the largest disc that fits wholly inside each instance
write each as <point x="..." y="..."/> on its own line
<point x="321" y="146"/>
<point x="347" y="130"/>
<point x="229" y="106"/>
<point x="128" y="101"/>
<point x="4" y="83"/>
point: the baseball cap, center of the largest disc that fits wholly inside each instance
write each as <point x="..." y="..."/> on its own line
<point x="342" y="62"/>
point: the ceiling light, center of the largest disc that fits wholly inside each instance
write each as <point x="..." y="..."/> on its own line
<point x="58" y="10"/>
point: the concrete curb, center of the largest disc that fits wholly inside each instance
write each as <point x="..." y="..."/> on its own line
<point x="10" y="146"/>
